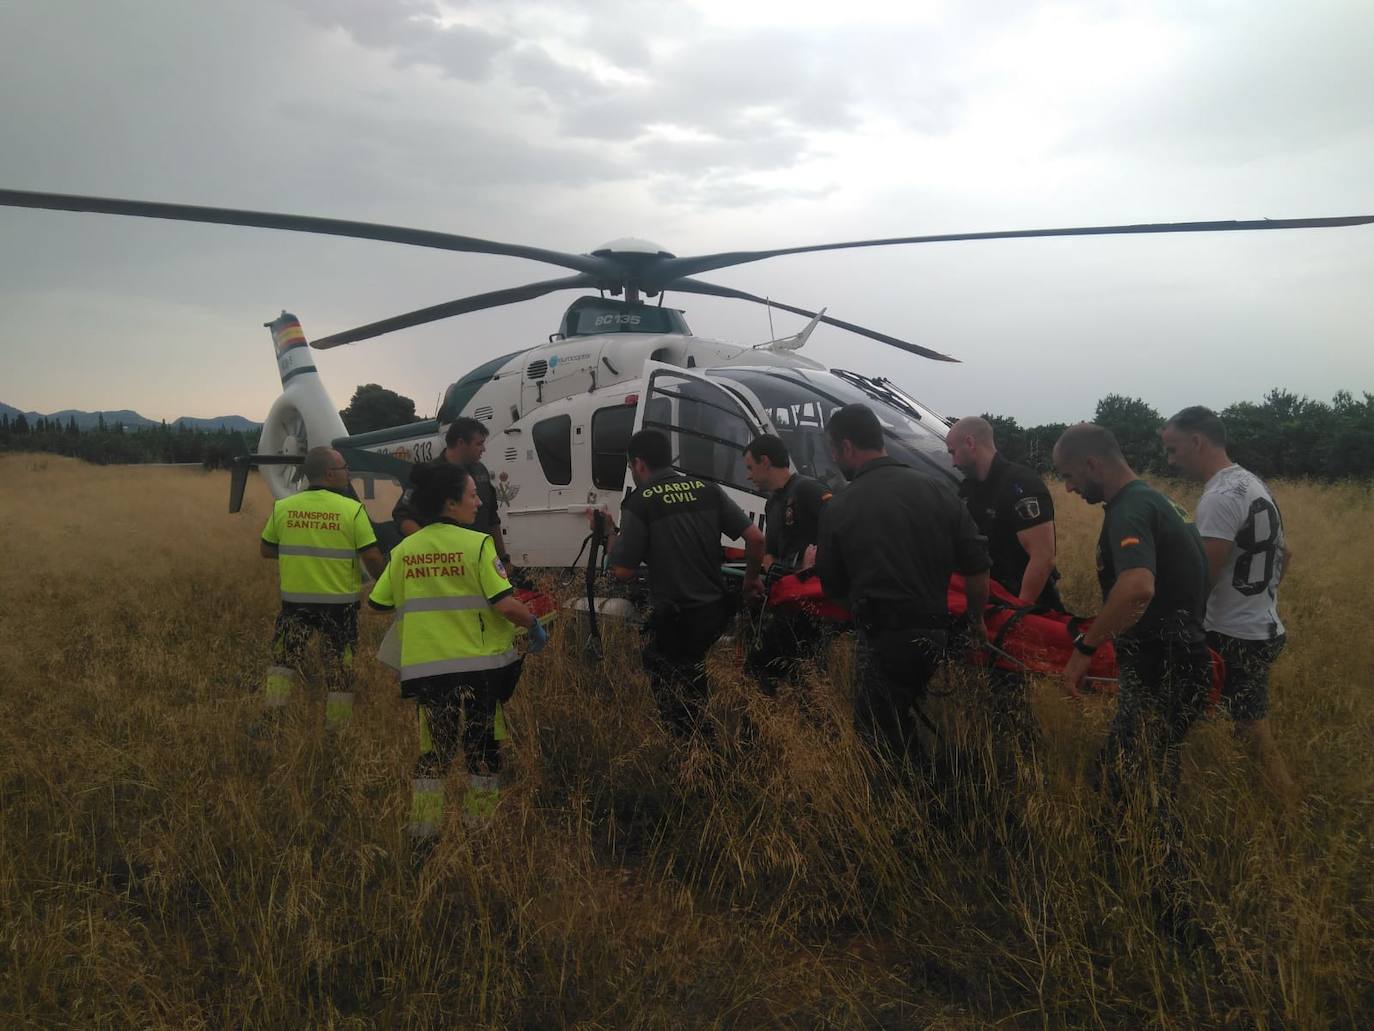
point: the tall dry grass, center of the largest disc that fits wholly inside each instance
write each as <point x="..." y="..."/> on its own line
<point x="165" y="863"/>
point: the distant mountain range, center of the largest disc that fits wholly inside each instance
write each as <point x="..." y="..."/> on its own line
<point x="132" y="420"/>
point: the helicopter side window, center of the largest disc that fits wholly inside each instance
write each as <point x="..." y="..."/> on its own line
<point x="553" y="444"/>
<point x="611" y="429"/>
<point x="801" y="406"/>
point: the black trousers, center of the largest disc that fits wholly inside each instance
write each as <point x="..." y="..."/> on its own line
<point x="675" y="656"/>
<point x="782" y="640"/>
<point x="1164" y="688"/>
<point x="894" y="668"/>
<point x="337" y="626"/>
<point x="458" y="716"/>
<point x="1009" y="711"/>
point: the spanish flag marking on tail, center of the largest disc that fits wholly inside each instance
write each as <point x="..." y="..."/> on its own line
<point x="288" y="336"/>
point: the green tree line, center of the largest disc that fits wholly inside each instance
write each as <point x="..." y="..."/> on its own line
<point x="1283" y="435"/>
<point x="120" y="445"/>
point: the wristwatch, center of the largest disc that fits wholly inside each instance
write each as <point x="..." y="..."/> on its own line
<point x="1083" y="647"/>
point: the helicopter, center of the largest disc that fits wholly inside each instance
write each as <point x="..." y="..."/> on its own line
<point x="560" y="413"/>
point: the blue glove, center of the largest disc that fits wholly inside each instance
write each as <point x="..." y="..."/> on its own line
<point x="539" y="637"/>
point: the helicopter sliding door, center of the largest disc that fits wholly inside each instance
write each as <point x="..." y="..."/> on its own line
<point x="708" y="424"/>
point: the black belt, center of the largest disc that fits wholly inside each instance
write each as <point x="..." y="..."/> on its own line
<point x="666" y="611"/>
<point x="898" y="615"/>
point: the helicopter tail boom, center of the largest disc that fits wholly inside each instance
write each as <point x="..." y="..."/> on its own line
<point x="303" y="416"/>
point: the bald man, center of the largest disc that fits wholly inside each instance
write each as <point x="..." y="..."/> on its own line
<point x="319" y="537"/>
<point x="1013" y="510"/>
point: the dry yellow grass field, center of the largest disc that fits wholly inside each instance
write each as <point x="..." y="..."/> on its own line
<point x="162" y="865"/>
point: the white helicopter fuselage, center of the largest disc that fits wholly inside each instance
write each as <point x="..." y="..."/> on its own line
<point x="560" y="415"/>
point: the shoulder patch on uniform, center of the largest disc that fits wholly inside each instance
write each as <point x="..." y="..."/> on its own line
<point x="499" y="567"/>
<point x="1028" y="508"/>
<point x="1129" y="542"/>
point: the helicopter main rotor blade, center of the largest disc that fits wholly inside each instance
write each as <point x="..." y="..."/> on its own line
<point x="696" y="286"/>
<point x="608" y="270"/>
<point x="665" y="270"/>
<point x="462" y="306"/>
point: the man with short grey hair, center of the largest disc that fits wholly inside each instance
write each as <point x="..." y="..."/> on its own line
<point x="1247" y="555"/>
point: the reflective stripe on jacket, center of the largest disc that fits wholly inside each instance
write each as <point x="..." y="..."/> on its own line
<point x="443" y="580"/>
<point x="318" y="534"/>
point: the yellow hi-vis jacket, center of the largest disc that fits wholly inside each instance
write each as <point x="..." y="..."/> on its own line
<point x="443" y="580"/>
<point x="318" y="534"/>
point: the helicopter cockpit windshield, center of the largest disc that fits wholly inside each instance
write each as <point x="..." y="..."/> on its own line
<point x="595" y="316"/>
<point x="799" y="403"/>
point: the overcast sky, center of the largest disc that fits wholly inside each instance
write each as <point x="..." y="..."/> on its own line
<point x="704" y="126"/>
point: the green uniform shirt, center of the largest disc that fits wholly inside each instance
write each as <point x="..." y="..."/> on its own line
<point x="318" y="534"/>
<point x="443" y="580"/>
<point x="1142" y="529"/>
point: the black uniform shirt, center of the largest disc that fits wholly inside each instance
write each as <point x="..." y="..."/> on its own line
<point x="1142" y="529"/>
<point x="896" y="535"/>
<point x="674" y="523"/>
<point x="488" y="516"/>
<point x="1011" y="499"/>
<point x="792" y="518"/>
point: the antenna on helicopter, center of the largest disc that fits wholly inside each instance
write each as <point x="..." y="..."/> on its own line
<point x="796" y="341"/>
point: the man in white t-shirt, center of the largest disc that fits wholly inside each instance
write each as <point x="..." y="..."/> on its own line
<point x="1242" y="531"/>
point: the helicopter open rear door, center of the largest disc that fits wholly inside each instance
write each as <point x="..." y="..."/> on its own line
<point x="709" y="423"/>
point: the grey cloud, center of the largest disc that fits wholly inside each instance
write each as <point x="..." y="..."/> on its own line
<point x="713" y="190"/>
<point x="619" y="31"/>
<point x="531" y="66"/>
<point x="703" y="87"/>
<point x="413" y="32"/>
<point x="374" y="23"/>
<point x="725" y="84"/>
<point x="623" y="47"/>
<point x="763" y="150"/>
<point x="1252" y="88"/>
<point x="446" y="156"/>
<point x="625" y="116"/>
